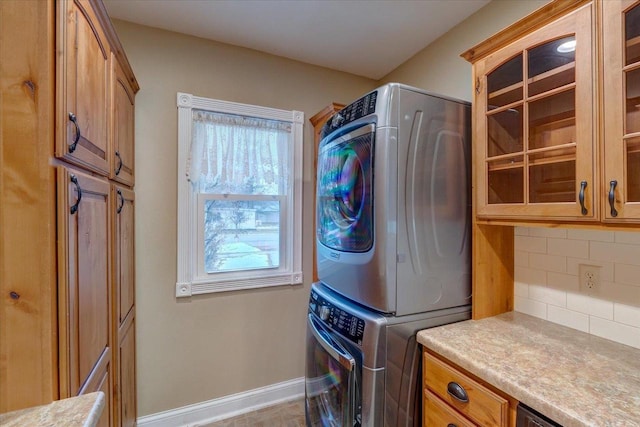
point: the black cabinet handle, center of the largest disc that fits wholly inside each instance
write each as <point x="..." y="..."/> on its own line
<point x="74" y="120"/>
<point x="456" y="391"/>
<point x="74" y="208"/>
<point x="612" y="198"/>
<point x="121" y="201"/>
<point x="583" y="185"/>
<point x="119" y="162"/>
<point x="451" y="425"/>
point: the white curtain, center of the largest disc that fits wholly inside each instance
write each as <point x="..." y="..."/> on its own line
<point x="232" y="154"/>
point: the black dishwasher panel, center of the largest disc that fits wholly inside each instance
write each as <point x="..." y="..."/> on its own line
<point x="527" y="417"/>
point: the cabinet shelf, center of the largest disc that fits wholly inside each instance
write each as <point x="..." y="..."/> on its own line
<point x="552" y="79"/>
<point x="507" y="95"/>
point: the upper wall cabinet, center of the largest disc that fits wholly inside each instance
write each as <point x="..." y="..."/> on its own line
<point x="84" y="88"/>
<point x="557" y="115"/>
<point x="123" y="120"/>
<point x="621" y="96"/>
<point x="533" y="130"/>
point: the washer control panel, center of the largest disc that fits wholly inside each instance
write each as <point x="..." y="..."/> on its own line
<point x="360" y="108"/>
<point x="346" y="324"/>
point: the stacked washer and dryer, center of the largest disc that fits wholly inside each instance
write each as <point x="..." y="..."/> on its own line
<point x="393" y="239"/>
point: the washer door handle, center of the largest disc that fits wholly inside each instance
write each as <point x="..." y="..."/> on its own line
<point x="334" y="349"/>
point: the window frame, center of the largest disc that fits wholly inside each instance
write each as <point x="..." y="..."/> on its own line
<point x="191" y="276"/>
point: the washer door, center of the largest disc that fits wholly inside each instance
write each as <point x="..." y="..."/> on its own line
<point x="345" y="179"/>
<point x="330" y="380"/>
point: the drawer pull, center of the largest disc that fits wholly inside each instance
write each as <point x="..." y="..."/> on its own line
<point x="456" y="391"/>
<point x="451" y="425"/>
<point x="612" y="198"/>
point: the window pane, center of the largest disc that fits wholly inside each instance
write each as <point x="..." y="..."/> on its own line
<point x="552" y="120"/>
<point x="505" y="83"/>
<point x="633" y="101"/>
<point x="506" y="181"/>
<point x="241" y="235"/>
<point x="505" y="132"/>
<point x="633" y="170"/>
<point x="632" y="35"/>
<point x="551" y="65"/>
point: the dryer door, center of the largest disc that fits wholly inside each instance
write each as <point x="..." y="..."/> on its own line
<point x="344" y="193"/>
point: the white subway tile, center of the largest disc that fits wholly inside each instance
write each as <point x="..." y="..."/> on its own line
<point x="521" y="289"/>
<point x="565" y="247"/>
<point x="548" y="262"/>
<point x="628" y="274"/>
<point x="571" y="319"/>
<point x="629" y="237"/>
<point x="521" y="258"/>
<point x="531" y="244"/>
<point x="564" y="282"/>
<point x="613" y="331"/>
<point x="548" y="295"/>
<point x="530" y="276"/>
<point x="626" y="314"/>
<point x="621" y="293"/>
<point x="614" y="252"/>
<point x="582" y="234"/>
<point x="560" y="233"/>
<point x="530" y="307"/>
<point x="521" y="231"/>
<point x="590" y="305"/>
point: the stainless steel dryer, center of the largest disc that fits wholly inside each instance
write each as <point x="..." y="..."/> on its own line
<point x="393" y="201"/>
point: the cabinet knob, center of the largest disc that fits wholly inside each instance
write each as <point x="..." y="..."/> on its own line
<point x="74" y="120"/>
<point x="458" y="392"/>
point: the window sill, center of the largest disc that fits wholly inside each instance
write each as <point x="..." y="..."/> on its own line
<point x="198" y="287"/>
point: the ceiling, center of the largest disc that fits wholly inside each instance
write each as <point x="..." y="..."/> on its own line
<point x="368" y="38"/>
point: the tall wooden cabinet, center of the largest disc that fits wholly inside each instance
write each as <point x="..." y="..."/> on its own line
<point x="67" y="293"/>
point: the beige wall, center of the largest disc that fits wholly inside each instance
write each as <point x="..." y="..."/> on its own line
<point x="439" y="68"/>
<point x="210" y="346"/>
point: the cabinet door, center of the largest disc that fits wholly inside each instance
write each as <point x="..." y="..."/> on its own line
<point x="127" y="372"/>
<point x="100" y="380"/>
<point x="123" y="131"/>
<point x="124" y="272"/>
<point x="84" y="276"/>
<point x="83" y="87"/>
<point x="534" y="132"/>
<point x="621" y="70"/>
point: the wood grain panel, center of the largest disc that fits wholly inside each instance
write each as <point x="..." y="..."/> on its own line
<point x="439" y="414"/>
<point x="483" y="407"/>
<point x="127" y="373"/>
<point x="122" y="131"/>
<point x="124" y="259"/>
<point x="28" y="309"/>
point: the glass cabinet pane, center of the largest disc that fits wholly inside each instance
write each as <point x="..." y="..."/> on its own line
<point x="632" y="35"/>
<point x="633" y="101"/>
<point x="552" y="176"/>
<point x="552" y="120"/>
<point x="551" y="65"/>
<point x="504" y="84"/>
<point x="506" y="180"/>
<point x="633" y="170"/>
<point x="505" y="132"/>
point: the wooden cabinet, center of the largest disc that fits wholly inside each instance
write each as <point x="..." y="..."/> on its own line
<point x="317" y="121"/>
<point x="533" y="130"/>
<point x="84" y="278"/>
<point x="122" y="130"/>
<point x="67" y="300"/>
<point x="84" y="74"/>
<point x="452" y="396"/>
<point x="621" y="112"/>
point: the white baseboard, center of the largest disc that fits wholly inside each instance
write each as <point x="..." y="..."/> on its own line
<point x="226" y="407"/>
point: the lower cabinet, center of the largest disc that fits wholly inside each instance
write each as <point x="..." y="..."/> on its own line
<point x="126" y="379"/>
<point x="454" y="397"/>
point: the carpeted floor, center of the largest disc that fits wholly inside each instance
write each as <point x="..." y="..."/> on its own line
<point x="289" y="414"/>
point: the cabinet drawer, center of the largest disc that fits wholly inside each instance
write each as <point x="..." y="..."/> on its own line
<point x="439" y="414"/>
<point x="483" y="406"/>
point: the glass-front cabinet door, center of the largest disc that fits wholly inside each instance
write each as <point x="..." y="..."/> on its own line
<point x="621" y="96"/>
<point x="535" y="136"/>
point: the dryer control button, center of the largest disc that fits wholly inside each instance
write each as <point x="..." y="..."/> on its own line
<point x="324" y="312"/>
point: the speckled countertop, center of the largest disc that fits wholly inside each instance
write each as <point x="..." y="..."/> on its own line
<point x="572" y="377"/>
<point x="80" y="411"/>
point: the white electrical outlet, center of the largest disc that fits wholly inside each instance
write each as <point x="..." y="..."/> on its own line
<point x="589" y="277"/>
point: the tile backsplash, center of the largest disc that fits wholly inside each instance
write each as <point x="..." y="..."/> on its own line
<point x="547" y="263"/>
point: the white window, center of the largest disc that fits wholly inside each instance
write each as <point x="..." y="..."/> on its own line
<point x="239" y="196"/>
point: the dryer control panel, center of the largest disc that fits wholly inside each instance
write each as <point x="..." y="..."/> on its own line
<point x="346" y="324"/>
<point x="360" y="108"/>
